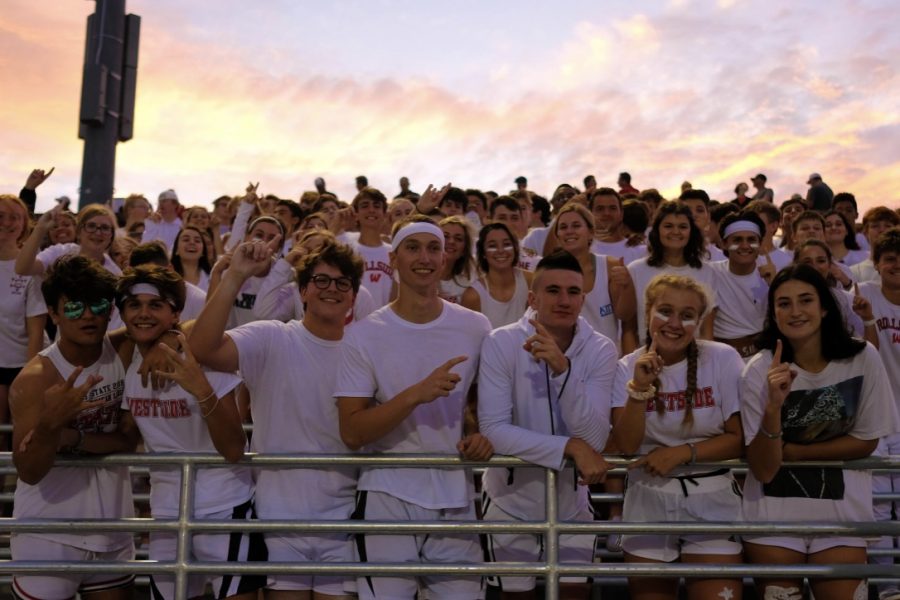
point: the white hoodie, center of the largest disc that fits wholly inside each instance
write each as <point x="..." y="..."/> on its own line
<point x="514" y="413"/>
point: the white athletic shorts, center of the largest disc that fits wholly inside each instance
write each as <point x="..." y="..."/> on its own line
<point x="421" y="548"/>
<point x="702" y="497"/>
<point x="64" y="585"/>
<point x="234" y="546"/>
<point x="526" y="547"/>
<point x="311" y="548"/>
<point x="807" y="544"/>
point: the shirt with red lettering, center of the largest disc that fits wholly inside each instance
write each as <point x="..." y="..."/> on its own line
<point x="170" y="421"/>
<point x="378" y="273"/>
<point x="719" y="369"/>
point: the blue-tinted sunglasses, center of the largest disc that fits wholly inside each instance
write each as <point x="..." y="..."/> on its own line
<point x="75" y="308"/>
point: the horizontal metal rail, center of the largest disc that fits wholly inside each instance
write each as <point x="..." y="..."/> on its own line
<point x="551" y="569"/>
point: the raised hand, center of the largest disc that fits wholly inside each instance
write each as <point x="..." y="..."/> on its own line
<point x="184" y="369"/>
<point x="37" y="177"/>
<point x="431" y="198"/>
<point x="780" y="377"/>
<point x="250" y="196"/>
<point x="63" y="401"/>
<point x="440" y="382"/>
<point x="767" y="271"/>
<point x="49" y="218"/>
<point x="543" y="346"/>
<point x="861" y="305"/>
<point x="254" y="257"/>
<point x="618" y="275"/>
<point x="648" y="366"/>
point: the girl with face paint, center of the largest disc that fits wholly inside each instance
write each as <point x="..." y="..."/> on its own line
<point x="675" y="402"/>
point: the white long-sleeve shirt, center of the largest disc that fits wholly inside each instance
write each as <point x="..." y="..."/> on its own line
<point x="523" y="417"/>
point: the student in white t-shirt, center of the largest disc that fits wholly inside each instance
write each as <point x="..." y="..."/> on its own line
<point x="290" y="370"/>
<point x="402" y="387"/>
<point x="768" y="251"/>
<point x="198" y="413"/>
<point x="841" y="238"/>
<point x="882" y="324"/>
<point x="22" y="309"/>
<point x="739" y="285"/>
<point x="813" y="393"/>
<point x="676" y="248"/>
<point x="459" y="265"/>
<point x="816" y="254"/>
<point x="164" y="224"/>
<point x="95" y="229"/>
<point x="698" y="201"/>
<point x="609" y="232"/>
<point x="609" y="305"/>
<point x="370" y="208"/>
<point x="501" y="293"/>
<point x="675" y="401"/>
<point x="544" y="396"/>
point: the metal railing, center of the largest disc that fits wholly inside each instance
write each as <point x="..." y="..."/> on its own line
<point x="551" y="527"/>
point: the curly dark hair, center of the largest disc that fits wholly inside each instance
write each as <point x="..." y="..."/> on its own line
<point x="338" y="255"/>
<point x="77" y="278"/>
<point x="169" y="283"/>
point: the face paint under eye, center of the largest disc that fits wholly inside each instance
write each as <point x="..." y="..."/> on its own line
<point x="665" y="319"/>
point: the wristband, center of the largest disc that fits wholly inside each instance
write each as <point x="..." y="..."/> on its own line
<point x="650" y="392"/>
<point x="869" y="323"/>
<point x="771" y="436"/>
<point x="693" y="448"/>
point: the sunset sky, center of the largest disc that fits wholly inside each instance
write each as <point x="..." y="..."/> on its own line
<point x="471" y="92"/>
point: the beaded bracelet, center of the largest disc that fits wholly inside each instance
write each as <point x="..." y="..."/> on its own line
<point x="650" y="392"/>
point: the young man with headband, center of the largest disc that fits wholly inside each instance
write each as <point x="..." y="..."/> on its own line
<point x="412" y="399"/>
<point x="739" y="284"/>
<point x="545" y="396"/>
<point x="277" y="361"/>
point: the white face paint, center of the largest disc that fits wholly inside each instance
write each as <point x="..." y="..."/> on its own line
<point x="734" y="247"/>
<point x="664" y="319"/>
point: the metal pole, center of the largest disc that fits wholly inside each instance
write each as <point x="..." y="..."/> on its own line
<point x="551" y="542"/>
<point x="185" y="514"/>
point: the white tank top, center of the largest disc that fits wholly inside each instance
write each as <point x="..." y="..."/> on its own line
<point x="598" y="309"/>
<point x="503" y="313"/>
<point x="77" y="492"/>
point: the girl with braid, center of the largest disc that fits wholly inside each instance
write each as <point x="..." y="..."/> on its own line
<point x="675" y="402"/>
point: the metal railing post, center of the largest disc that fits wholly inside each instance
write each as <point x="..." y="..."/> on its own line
<point x="551" y="540"/>
<point x="183" y="547"/>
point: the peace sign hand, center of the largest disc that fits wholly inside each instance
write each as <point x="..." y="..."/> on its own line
<point x="184" y="369"/>
<point x="648" y="366"/>
<point x="780" y="377"/>
<point x="63" y="401"/>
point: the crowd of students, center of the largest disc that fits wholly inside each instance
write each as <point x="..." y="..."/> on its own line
<point x="558" y="331"/>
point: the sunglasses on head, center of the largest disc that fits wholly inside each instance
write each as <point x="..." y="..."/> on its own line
<point x="73" y="309"/>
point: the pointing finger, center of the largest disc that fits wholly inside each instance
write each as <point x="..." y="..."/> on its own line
<point x="453" y="362"/>
<point x="653" y="341"/>
<point x="776" y="356"/>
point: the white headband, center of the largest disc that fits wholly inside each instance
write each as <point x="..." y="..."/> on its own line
<point x="414" y="228"/>
<point x="741" y="226"/>
<point x="150" y="290"/>
<point x="144" y="288"/>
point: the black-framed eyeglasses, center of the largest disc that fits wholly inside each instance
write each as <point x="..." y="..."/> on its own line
<point x="323" y="282"/>
<point x="93" y="227"/>
<point x="73" y="309"/>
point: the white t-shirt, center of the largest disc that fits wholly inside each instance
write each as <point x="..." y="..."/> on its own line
<point x="642" y="274"/>
<point x="21" y="298"/>
<point x="452" y="289"/>
<point x="780" y="258"/>
<point x="51" y="254"/>
<point x="503" y="313"/>
<point x="84" y="493"/>
<point x="854" y="257"/>
<point x="844" y="398"/>
<point x="383" y="355"/>
<point x="865" y="271"/>
<point x="620" y="249"/>
<point x="852" y="320"/>
<point x="164" y="231"/>
<point x="887" y="324"/>
<point x="742" y="302"/>
<point x="379" y="273"/>
<point x="713" y="254"/>
<point x="718" y="368"/>
<point x="194" y="301"/>
<point x="535" y="240"/>
<point x="170" y="421"/>
<point x="523" y="417"/>
<point x="291" y="375"/>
